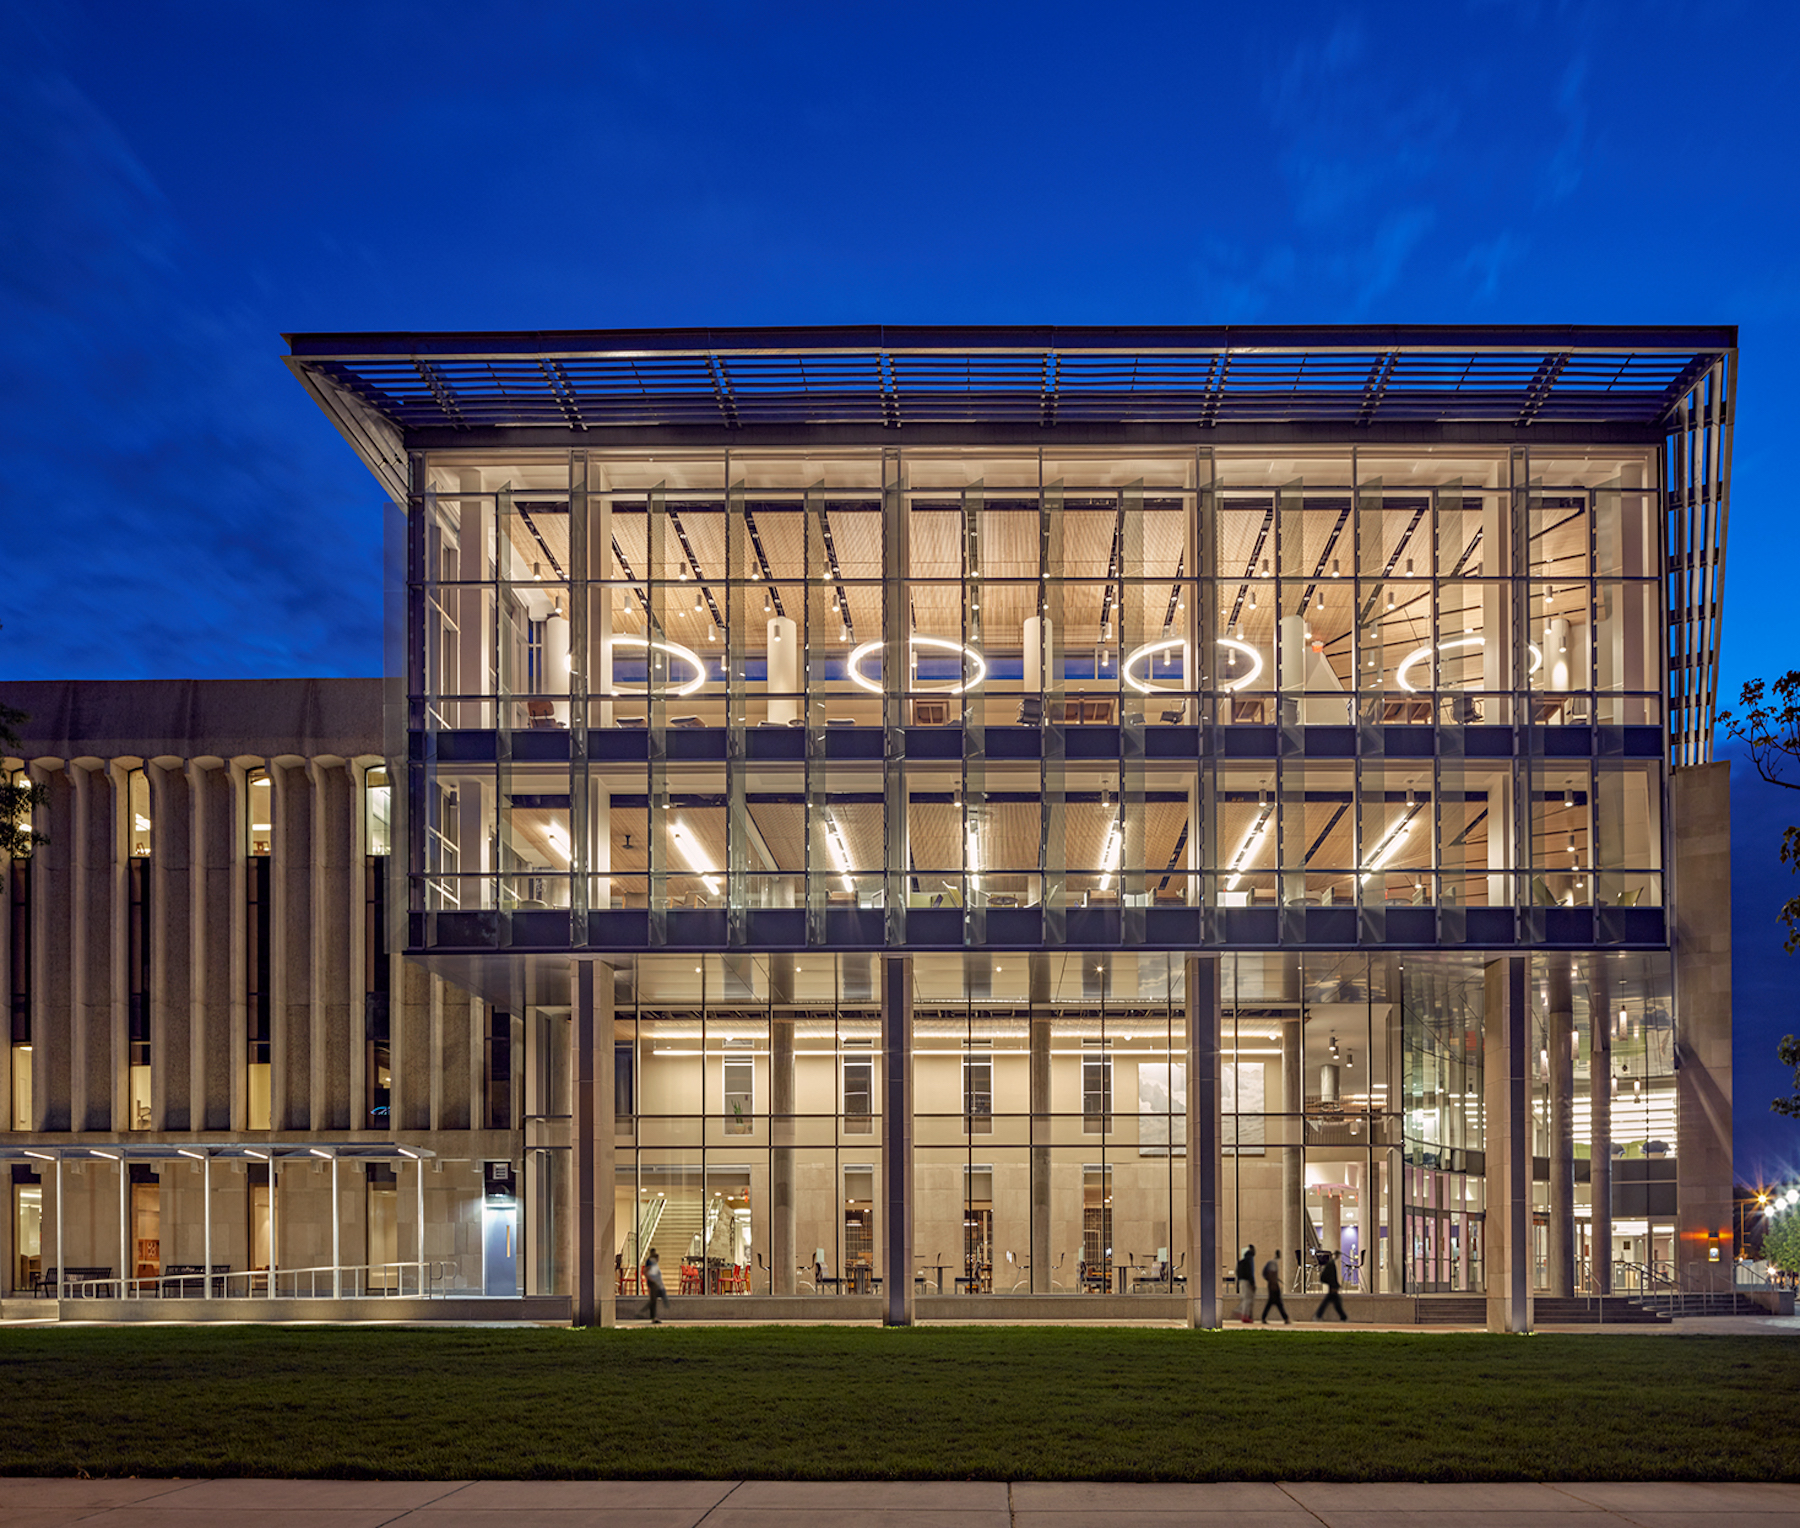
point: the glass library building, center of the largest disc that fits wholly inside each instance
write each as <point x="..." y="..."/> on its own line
<point x="920" y="823"/>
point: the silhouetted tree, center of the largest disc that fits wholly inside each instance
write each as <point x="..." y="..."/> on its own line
<point x="1769" y="727"/>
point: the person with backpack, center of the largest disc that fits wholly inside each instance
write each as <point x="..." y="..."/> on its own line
<point x="1272" y="1280"/>
<point x="1328" y="1276"/>
<point x="1246" y="1282"/>
<point x="653" y="1286"/>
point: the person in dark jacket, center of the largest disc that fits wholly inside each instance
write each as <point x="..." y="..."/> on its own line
<point x="653" y="1286"/>
<point x="1246" y="1282"/>
<point x="1272" y="1281"/>
<point x="1328" y="1276"/>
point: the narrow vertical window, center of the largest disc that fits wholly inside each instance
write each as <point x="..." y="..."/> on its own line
<point x="739" y="1080"/>
<point x="257" y="895"/>
<point x="859" y="1088"/>
<point x="19" y="989"/>
<point x="1096" y="1228"/>
<point x="1096" y="1089"/>
<point x="859" y="1226"/>
<point x="499" y="1070"/>
<point x="137" y="968"/>
<point x="378" y="1064"/>
<point x="978" y="1094"/>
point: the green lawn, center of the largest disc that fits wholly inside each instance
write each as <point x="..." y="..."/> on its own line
<point x="948" y="1403"/>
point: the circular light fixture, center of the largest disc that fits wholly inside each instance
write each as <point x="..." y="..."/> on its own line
<point x="1419" y="655"/>
<point x="934" y="644"/>
<point x="674" y="650"/>
<point x="1167" y="645"/>
<point x="1255" y="656"/>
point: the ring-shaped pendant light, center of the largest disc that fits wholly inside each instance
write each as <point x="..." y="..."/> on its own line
<point x="674" y="650"/>
<point x="935" y="644"/>
<point x="1142" y="686"/>
<point x="1454" y="644"/>
<point x="1253" y="653"/>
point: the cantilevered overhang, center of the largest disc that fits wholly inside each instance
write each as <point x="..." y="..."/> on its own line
<point x="388" y="393"/>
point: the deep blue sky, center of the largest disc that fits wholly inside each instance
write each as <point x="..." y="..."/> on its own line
<point x="181" y="184"/>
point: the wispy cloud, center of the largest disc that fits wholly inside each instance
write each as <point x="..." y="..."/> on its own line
<point x="170" y="512"/>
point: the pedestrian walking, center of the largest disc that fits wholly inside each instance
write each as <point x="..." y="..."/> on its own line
<point x="1272" y="1281"/>
<point x="653" y="1286"/>
<point x="1328" y="1276"/>
<point x="1246" y="1282"/>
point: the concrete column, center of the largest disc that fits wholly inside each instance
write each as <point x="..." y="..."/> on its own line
<point x="897" y="1138"/>
<point x="1293" y="1148"/>
<point x="1600" y="1066"/>
<point x="784" y="669"/>
<point x="171" y="947"/>
<point x="235" y="843"/>
<point x="456" y="1057"/>
<point x="1560" y="1240"/>
<point x="215" y="933"/>
<point x="1700" y="802"/>
<point x="1506" y="1088"/>
<point x="109" y="1039"/>
<point x="52" y="976"/>
<point x="9" y="1264"/>
<point x="1043" y="1255"/>
<point x="337" y="926"/>
<point x="1205" y="1138"/>
<point x="783" y="1254"/>
<point x="409" y="1021"/>
<point x="556" y="662"/>
<point x="95" y="1060"/>
<point x="291" y="884"/>
<point x="596" y="1235"/>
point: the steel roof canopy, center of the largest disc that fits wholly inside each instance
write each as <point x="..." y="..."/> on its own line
<point x="891" y="376"/>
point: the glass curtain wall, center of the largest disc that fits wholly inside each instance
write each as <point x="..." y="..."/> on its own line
<point x="823" y="617"/>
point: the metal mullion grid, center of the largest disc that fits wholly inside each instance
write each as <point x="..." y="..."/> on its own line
<point x="580" y="849"/>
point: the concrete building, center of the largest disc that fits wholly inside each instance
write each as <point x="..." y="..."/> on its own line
<point x="861" y="811"/>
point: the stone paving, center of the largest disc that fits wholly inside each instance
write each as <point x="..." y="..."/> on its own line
<point x="28" y="1503"/>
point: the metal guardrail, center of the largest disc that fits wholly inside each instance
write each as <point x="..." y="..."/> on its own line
<point x="358" y="1281"/>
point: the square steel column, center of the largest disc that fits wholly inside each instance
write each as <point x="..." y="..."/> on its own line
<point x="592" y="1145"/>
<point x="1506" y="1085"/>
<point x="897" y="1139"/>
<point x="1205" y="1136"/>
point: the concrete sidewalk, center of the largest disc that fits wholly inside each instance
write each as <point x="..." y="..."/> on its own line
<point x="26" y="1503"/>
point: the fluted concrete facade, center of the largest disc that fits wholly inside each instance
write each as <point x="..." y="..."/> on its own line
<point x="198" y="745"/>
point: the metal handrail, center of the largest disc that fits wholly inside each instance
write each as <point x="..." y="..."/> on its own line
<point x="350" y="1281"/>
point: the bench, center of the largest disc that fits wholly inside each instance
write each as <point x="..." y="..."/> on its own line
<point x="47" y="1281"/>
<point x="189" y="1280"/>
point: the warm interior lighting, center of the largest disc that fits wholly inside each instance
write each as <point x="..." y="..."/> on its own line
<point x="1232" y="647"/>
<point x="674" y="650"/>
<point x="690" y="851"/>
<point x="1421" y="654"/>
<point x="1109" y="852"/>
<point x="1252" y="841"/>
<point x="841" y="852"/>
<point x="854" y="663"/>
<point x="1390" y="845"/>
<point x="1165" y="647"/>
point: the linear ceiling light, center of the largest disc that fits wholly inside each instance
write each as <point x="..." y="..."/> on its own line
<point x="690" y="851"/>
